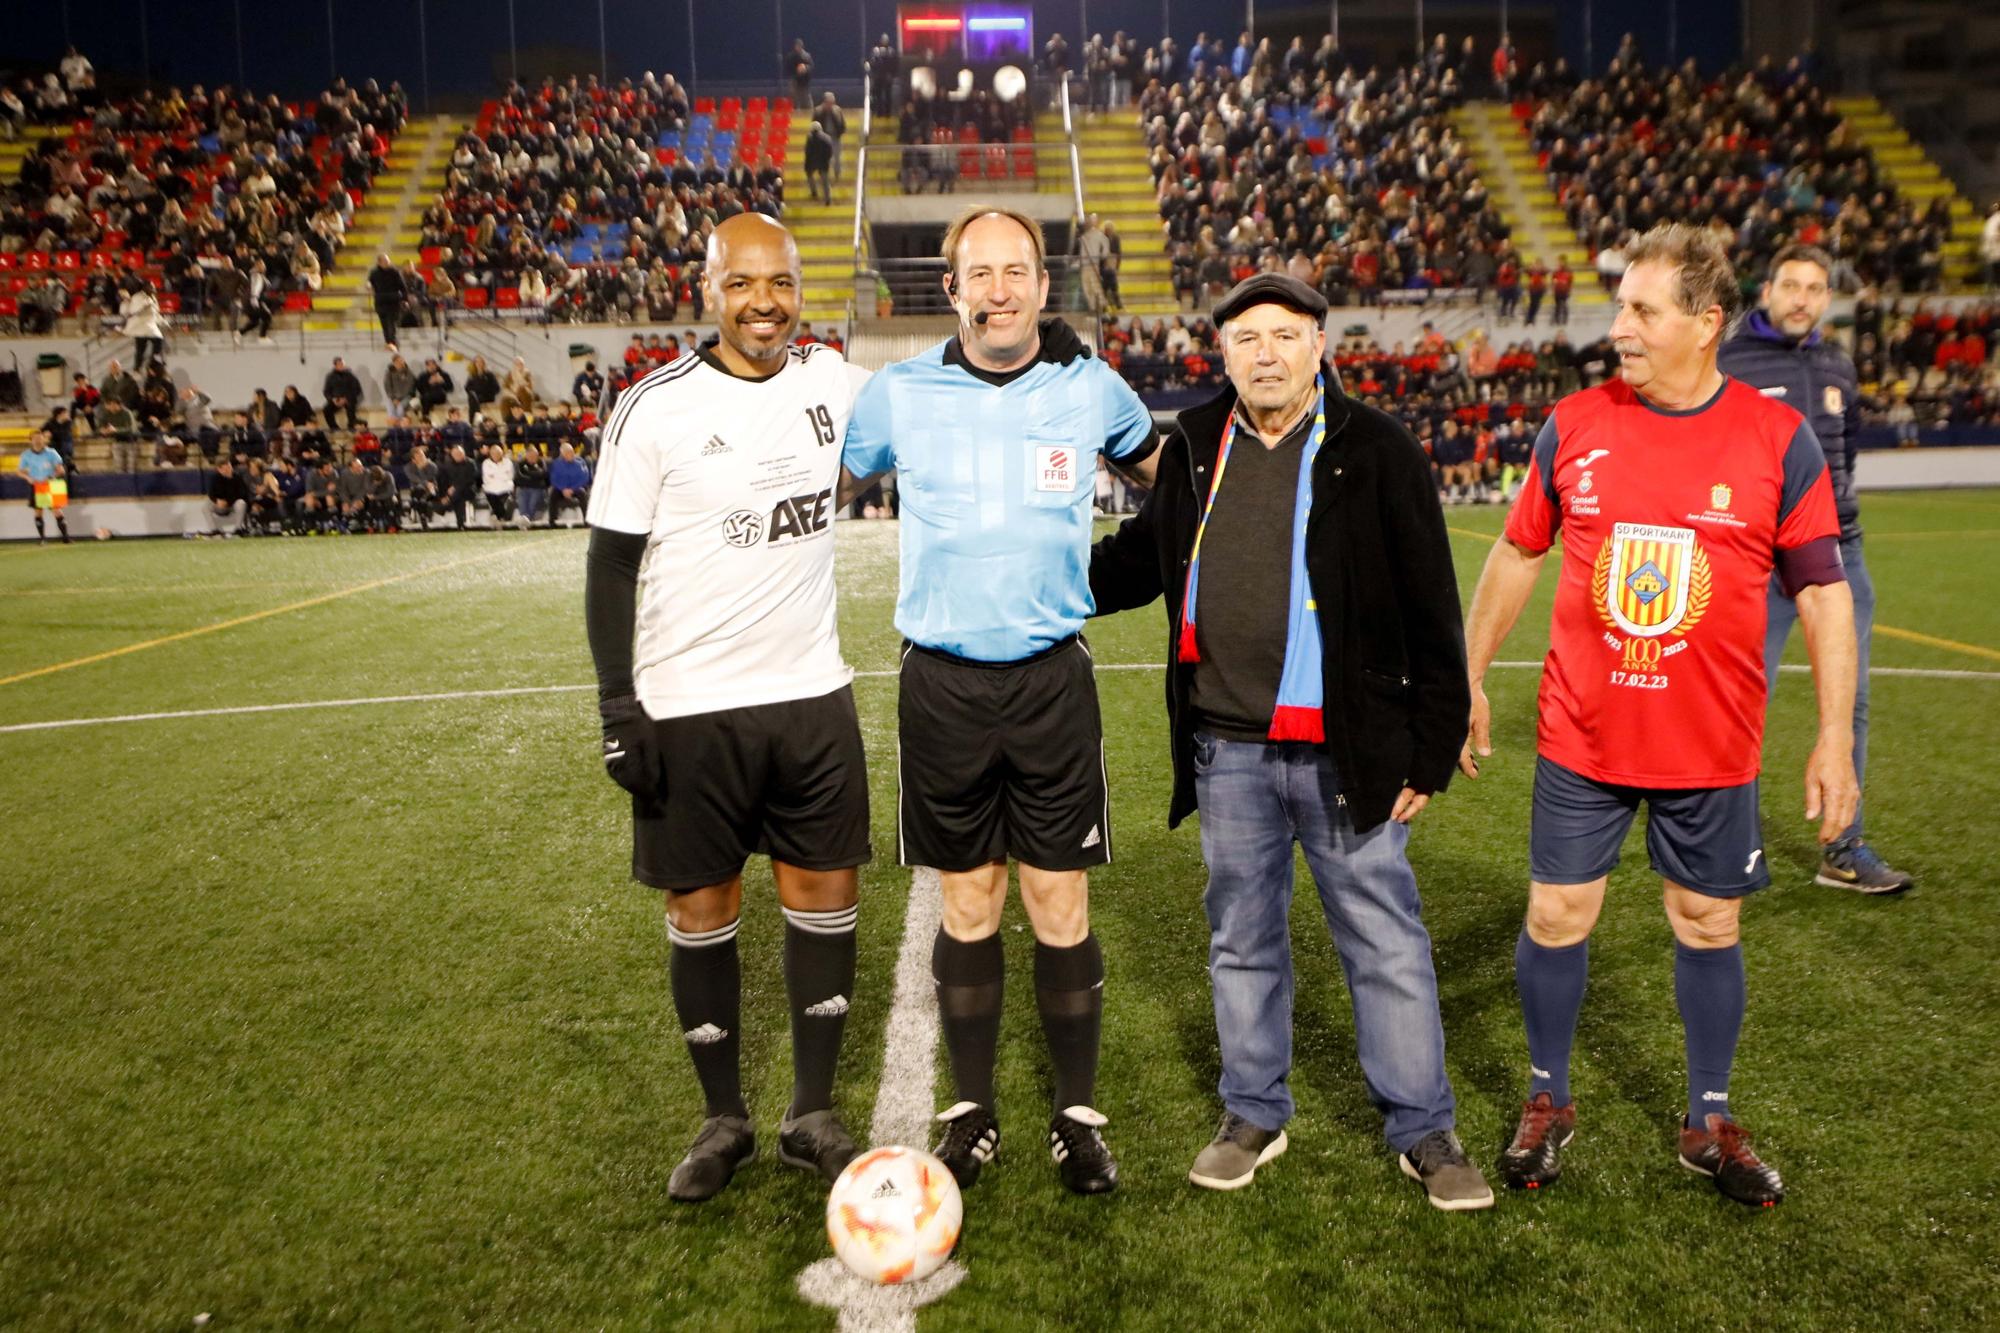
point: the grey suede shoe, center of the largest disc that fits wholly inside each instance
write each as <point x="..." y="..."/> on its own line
<point x="1231" y="1159"/>
<point x="1448" y="1176"/>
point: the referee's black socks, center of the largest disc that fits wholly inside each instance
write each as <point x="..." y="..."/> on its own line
<point x="819" y="983"/>
<point x="707" y="982"/>
<point x="969" y="975"/>
<point x="1069" y="992"/>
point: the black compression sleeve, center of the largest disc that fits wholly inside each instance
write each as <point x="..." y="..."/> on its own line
<point x="610" y="592"/>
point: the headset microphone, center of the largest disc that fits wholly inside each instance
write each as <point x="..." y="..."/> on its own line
<point x="980" y="318"/>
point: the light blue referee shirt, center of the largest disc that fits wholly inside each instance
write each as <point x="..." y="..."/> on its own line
<point x="995" y="483"/>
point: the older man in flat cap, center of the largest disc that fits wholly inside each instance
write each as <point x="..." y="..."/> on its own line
<point x="1315" y="696"/>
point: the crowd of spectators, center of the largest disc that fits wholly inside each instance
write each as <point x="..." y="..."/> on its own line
<point x="1354" y="180"/>
<point x="564" y="198"/>
<point x="214" y="204"/>
<point x="1761" y="155"/>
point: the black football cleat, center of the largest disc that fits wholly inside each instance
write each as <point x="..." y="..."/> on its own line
<point x="971" y="1137"/>
<point x="724" y="1143"/>
<point x="1534" y="1158"/>
<point x="1083" y="1160"/>
<point x="816" y="1141"/>
<point x="1720" y="1150"/>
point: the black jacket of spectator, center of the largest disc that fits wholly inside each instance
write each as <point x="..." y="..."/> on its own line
<point x="342" y="384"/>
<point x="462" y="477"/>
<point x="386" y="282"/>
<point x="1392" y="648"/>
<point x="227" y="489"/>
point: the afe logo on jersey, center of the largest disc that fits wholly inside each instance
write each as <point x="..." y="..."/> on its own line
<point x="801" y="516"/>
<point x="743" y="528"/>
<point x="1719" y="495"/>
<point x="1834" y="402"/>
<point x="1055" y="468"/>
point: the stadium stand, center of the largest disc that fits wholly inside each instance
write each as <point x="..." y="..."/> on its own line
<point x="220" y="201"/>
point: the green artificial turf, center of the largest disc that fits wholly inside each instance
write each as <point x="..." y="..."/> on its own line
<point x="350" y="1016"/>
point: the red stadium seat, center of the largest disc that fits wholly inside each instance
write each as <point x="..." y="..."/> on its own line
<point x="16" y="283"/>
<point x="704" y="106"/>
<point x="755" y="107"/>
<point x="298" y="302"/>
<point x="431" y="254"/>
<point x="9" y="307"/>
<point x="170" y="303"/>
<point x="475" y="298"/>
<point x="505" y="298"/>
<point x="68" y="259"/>
<point x="35" y="261"/>
<point x="8" y="260"/>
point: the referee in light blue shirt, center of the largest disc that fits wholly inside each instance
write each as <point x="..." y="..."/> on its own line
<point x="995" y="436"/>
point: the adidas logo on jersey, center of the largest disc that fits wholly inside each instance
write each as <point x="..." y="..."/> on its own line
<point x="833" y="1008"/>
<point x="705" y="1035"/>
<point x="716" y="445"/>
<point x="1092" y="838"/>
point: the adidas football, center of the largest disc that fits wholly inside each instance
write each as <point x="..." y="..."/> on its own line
<point x="893" y="1215"/>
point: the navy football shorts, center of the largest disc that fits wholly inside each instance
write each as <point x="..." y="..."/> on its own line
<point x="1708" y="839"/>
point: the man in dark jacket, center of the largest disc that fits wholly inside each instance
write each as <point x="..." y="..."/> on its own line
<point x="1780" y="351"/>
<point x="458" y="480"/>
<point x="1315" y="694"/>
<point x="342" y="391"/>
<point x="385" y="287"/>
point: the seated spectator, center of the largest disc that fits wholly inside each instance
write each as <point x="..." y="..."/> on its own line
<point x="399" y="384"/>
<point x="342" y="391"/>
<point x="588" y="387"/>
<point x="351" y="495"/>
<point x="458" y="484"/>
<point x="519" y="389"/>
<point x="434" y="387"/>
<point x="569" y="484"/>
<point x="531" y="484"/>
<point x="228" y="500"/>
<point x="381" y="510"/>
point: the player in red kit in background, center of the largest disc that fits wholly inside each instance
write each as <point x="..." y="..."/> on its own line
<point x="1676" y="492"/>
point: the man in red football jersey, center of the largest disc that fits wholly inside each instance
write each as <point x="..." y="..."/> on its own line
<point x="1675" y="491"/>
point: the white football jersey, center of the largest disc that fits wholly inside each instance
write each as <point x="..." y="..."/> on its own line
<point x="733" y="483"/>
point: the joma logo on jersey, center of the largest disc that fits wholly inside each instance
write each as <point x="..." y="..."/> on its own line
<point x="801" y="516"/>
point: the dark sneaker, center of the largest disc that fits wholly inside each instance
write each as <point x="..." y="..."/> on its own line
<point x="1721" y="1151"/>
<point x="724" y="1143"/>
<point x="816" y="1141"/>
<point x="1853" y="864"/>
<point x="1534" y="1158"/>
<point x="1438" y="1162"/>
<point x="1085" y="1162"/>
<point x="971" y="1137"/>
<point x="1232" y="1157"/>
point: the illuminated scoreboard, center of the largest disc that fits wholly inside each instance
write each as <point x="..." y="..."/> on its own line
<point x="955" y="47"/>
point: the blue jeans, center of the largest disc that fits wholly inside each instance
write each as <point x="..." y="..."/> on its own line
<point x="1256" y="801"/>
<point x="1782" y="611"/>
<point x="529" y="500"/>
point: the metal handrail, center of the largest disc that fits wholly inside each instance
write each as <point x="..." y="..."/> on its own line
<point x="861" y="160"/>
<point x="1076" y="190"/>
<point x="1075" y="159"/>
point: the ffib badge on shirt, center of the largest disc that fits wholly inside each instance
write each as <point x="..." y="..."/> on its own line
<point x="1055" y="467"/>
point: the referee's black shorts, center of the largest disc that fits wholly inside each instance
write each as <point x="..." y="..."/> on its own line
<point x="787" y="779"/>
<point x="1000" y="760"/>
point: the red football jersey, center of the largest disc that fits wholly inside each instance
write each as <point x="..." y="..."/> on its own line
<point x="1670" y="524"/>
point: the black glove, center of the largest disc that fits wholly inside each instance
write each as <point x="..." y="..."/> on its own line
<point x="630" y="756"/>
<point x="1060" y="342"/>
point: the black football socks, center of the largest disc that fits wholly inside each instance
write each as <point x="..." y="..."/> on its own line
<point x="819" y="983"/>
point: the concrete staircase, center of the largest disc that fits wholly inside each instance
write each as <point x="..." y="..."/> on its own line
<point x="1118" y="188"/>
<point x="388" y="220"/>
<point x="825" y="232"/>
<point x="1519" y="189"/>
<point x="1918" y="179"/>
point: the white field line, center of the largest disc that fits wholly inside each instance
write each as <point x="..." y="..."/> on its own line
<point x="445" y="696"/>
<point x="902" y="1115"/>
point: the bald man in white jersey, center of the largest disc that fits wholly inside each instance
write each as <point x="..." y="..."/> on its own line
<point x="727" y="709"/>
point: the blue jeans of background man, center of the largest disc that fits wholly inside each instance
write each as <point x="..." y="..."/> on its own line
<point x="1782" y="611"/>
<point x="1256" y="801"/>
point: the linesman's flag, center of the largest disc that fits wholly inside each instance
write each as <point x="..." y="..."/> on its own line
<point x="52" y="494"/>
